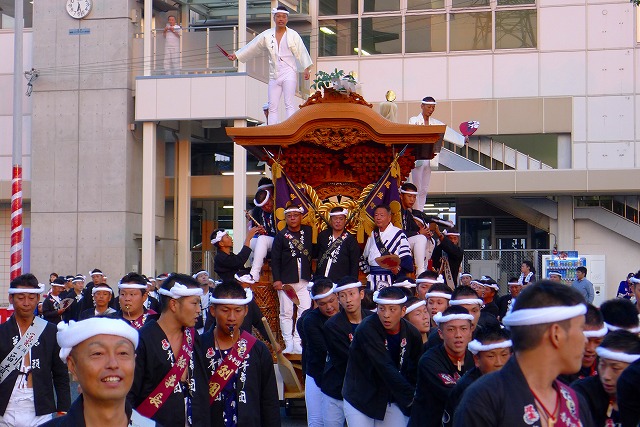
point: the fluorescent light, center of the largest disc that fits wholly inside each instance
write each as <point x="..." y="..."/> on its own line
<point x="362" y="51"/>
<point x="227" y="207"/>
<point x="248" y="173"/>
<point x="327" y="30"/>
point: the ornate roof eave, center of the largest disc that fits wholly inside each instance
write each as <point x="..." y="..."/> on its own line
<point x="336" y="125"/>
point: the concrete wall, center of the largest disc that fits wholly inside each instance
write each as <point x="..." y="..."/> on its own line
<point x="622" y="255"/>
<point x="86" y="197"/>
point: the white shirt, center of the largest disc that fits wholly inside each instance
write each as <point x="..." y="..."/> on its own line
<point x="172" y="39"/>
<point x="450" y="135"/>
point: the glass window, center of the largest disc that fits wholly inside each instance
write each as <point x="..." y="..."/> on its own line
<point x="469" y="3"/>
<point x="516" y="29"/>
<point x="7" y="14"/>
<point x="338" y="7"/>
<point x="515" y="2"/>
<point x="338" y="37"/>
<point x="381" y="35"/>
<point x="425" y="33"/>
<point x="470" y="31"/>
<point x="381" y="5"/>
<point x="425" y="4"/>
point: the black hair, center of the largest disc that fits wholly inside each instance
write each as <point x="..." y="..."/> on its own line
<point x="620" y="312"/>
<point x="261" y="195"/>
<point x="229" y="289"/>
<point x="391" y="292"/>
<point x="265" y="181"/>
<point x="346" y="280"/>
<point x="411" y="301"/>
<point x="96" y="271"/>
<point x="530" y="265"/>
<point x="544" y="293"/>
<point x="512" y="279"/>
<point x="59" y="281"/>
<point x="291" y="205"/>
<point x="367" y="300"/>
<point x="282" y="8"/>
<point x="321" y="285"/>
<point x="27" y="280"/>
<point x="184" y="279"/>
<point x="428" y="274"/>
<point x="464" y="292"/>
<point x="441" y="287"/>
<point x="593" y="316"/>
<point x="428" y="99"/>
<point x="495" y="334"/>
<point x="582" y="270"/>
<point x="408" y="186"/>
<point x="136" y="278"/>
<point x="622" y="340"/>
<point x="383" y="206"/>
<point x="409" y="292"/>
<point x="452" y="230"/>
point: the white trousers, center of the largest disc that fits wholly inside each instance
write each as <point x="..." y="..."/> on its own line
<point x="283" y="85"/>
<point x="262" y="247"/>
<point x="21" y="410"/>
<point x="420" y="177"/>
<point x="418" y="245"/>
<point x="332" y="411"/>
<point x="287" y="322"/>
<point x="171" y="60"/>
<point x="313" y="400"/>
<point x="393" y="417"/>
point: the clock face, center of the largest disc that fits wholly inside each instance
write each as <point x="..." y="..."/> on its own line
<point x="78" y="8"/>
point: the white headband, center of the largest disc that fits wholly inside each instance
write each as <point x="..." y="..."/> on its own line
<point x="450" y="233"/>
<point x="634" y="280"/>
<point x="554" y="273"/>
<point x="162" y="277"/>
<point x="538" y="316"/>
<point x="195" y="276"/>
<point x="38" y="290"/>
<point x="514" y="284"/>
<point x="464" y="301"/>
<point x="476" y="346"/>
<point x="618" y="356"/>
<point x="597" y="334"/>
<point x="415" y="306"/>
<point x="276" y="10"/>
<point x="309" y="286"/>
<point x="299" y="209"/>
<point x="233" y="301"/>
<point x="404" y="284"/>
<point x="219" y="235"/>
<point x="179" y="290"/>
<point x="77" y="279"/>
<point x="264" y="202"/>
<point x="73" y="333"/>
<point x="244" y="279"/>
<point x="54" y="284"/>
<point x="493" y="286"/>
<point x="387" y="301"/>
<point x="437" y="295"/>
<point x="265" y="186"/>
<point x="466" y="275"/>
<point x="131" y="286"/>
<point x="91" y="273"/>
<point x="439" y="279"/>
<point x="439" y="318"/>
<point x="326" y="294"/>
<point x="347" y="286"/>
<point x="612" y="328"/>
<point x="342" y="212"/>
<point x="415" y="193"/>
<point x="101" y="288"/>
<point x="428" y="102"/>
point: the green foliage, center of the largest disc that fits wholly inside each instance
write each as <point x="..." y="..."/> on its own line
<point x="326" y="80"/>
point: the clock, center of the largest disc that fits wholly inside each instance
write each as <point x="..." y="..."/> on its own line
<point x="78" y="9"/>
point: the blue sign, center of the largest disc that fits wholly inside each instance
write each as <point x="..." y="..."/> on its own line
<point x="79" y="31"/>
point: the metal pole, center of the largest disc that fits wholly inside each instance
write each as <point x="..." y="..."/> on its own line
<point x="16" y="170"/>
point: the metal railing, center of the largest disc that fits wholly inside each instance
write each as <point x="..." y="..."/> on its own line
<point x="202" y="260"/>
<point x="495" y="155"/>
<point x="627" y="207"/>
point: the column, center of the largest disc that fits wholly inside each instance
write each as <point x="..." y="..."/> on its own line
<point x="239" y="191"/>
<point x="242" y="32"/>
<point x="148" y="197"/>
<point x="182" y="198"/>
<point x="565" y="225"/>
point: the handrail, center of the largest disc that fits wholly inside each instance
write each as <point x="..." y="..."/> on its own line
<point x="491" y="148"/>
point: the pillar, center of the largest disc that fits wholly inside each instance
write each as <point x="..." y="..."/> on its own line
<point x="182" y="198"/>
<point x="239" y="192"/>
<point x="148" y="197"/>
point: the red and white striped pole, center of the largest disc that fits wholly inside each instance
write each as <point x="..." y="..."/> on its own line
<point x="16" y="221"/>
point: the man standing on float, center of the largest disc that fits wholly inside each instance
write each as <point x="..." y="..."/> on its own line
<point x="287" y="57"/>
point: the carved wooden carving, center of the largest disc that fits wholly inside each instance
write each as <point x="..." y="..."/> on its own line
<point x="336" y="138"/>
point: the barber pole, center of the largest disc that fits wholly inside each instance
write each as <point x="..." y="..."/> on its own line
<point x="16" y="221"/>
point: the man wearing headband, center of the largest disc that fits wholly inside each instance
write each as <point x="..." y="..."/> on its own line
<point x="447" y="256"/>
<point x="338" y="333"/>
<point x="261" y="217"/>
<point x="338" y="251"/>
<point x="594" y="330"/>
<point x="418" y="315"/>
<point x="202" y="277"/>
<point x="53" y="306"/>
<point x="465" y="279"/>
<point x="291" y="265"/>
<point x="87" y="297"/>
<point x="226" y="264"/>
<point x="424" y="282"/>
<point x="101" y="356"/>
<point x="421" y="174"/>
<point x="242" y="384"/>
<point x="546" y="327"/>
<point x="314" y="346"/>
<point x="491" y="349"/>
<point x="616" y="352"/>
<point x="438" y="299"/>
<point x="554" y="276"/>
<point x="488" y="290"/>
<point x="414" y="226"/>
<point x="620" y="314"/>
<point x="441" y="367"/>
<point x="386" y="239"/>
<point x="30" y="368"/>
<point x="506" y="301"/>
<point x="170" y="383"/>
<point x="288" y="56"/>
<point x="132" y="292"/>
<point x="102" y="295"/>
<point x="380" y="380"/>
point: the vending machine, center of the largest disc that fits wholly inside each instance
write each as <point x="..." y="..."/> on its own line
<point x="567" y="266"/>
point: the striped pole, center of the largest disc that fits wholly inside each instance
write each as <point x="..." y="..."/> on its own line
<point x="16" y="221"/>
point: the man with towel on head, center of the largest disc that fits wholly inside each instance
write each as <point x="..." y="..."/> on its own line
<point x="101" y="355"/>
<point x="132" y="291"/>
<point x="337" y="250"/>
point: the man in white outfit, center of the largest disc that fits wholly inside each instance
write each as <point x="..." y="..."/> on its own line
<point x="172" y="33"/>
<point x="287" y="57"/>
<point x="421" y="174"/>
